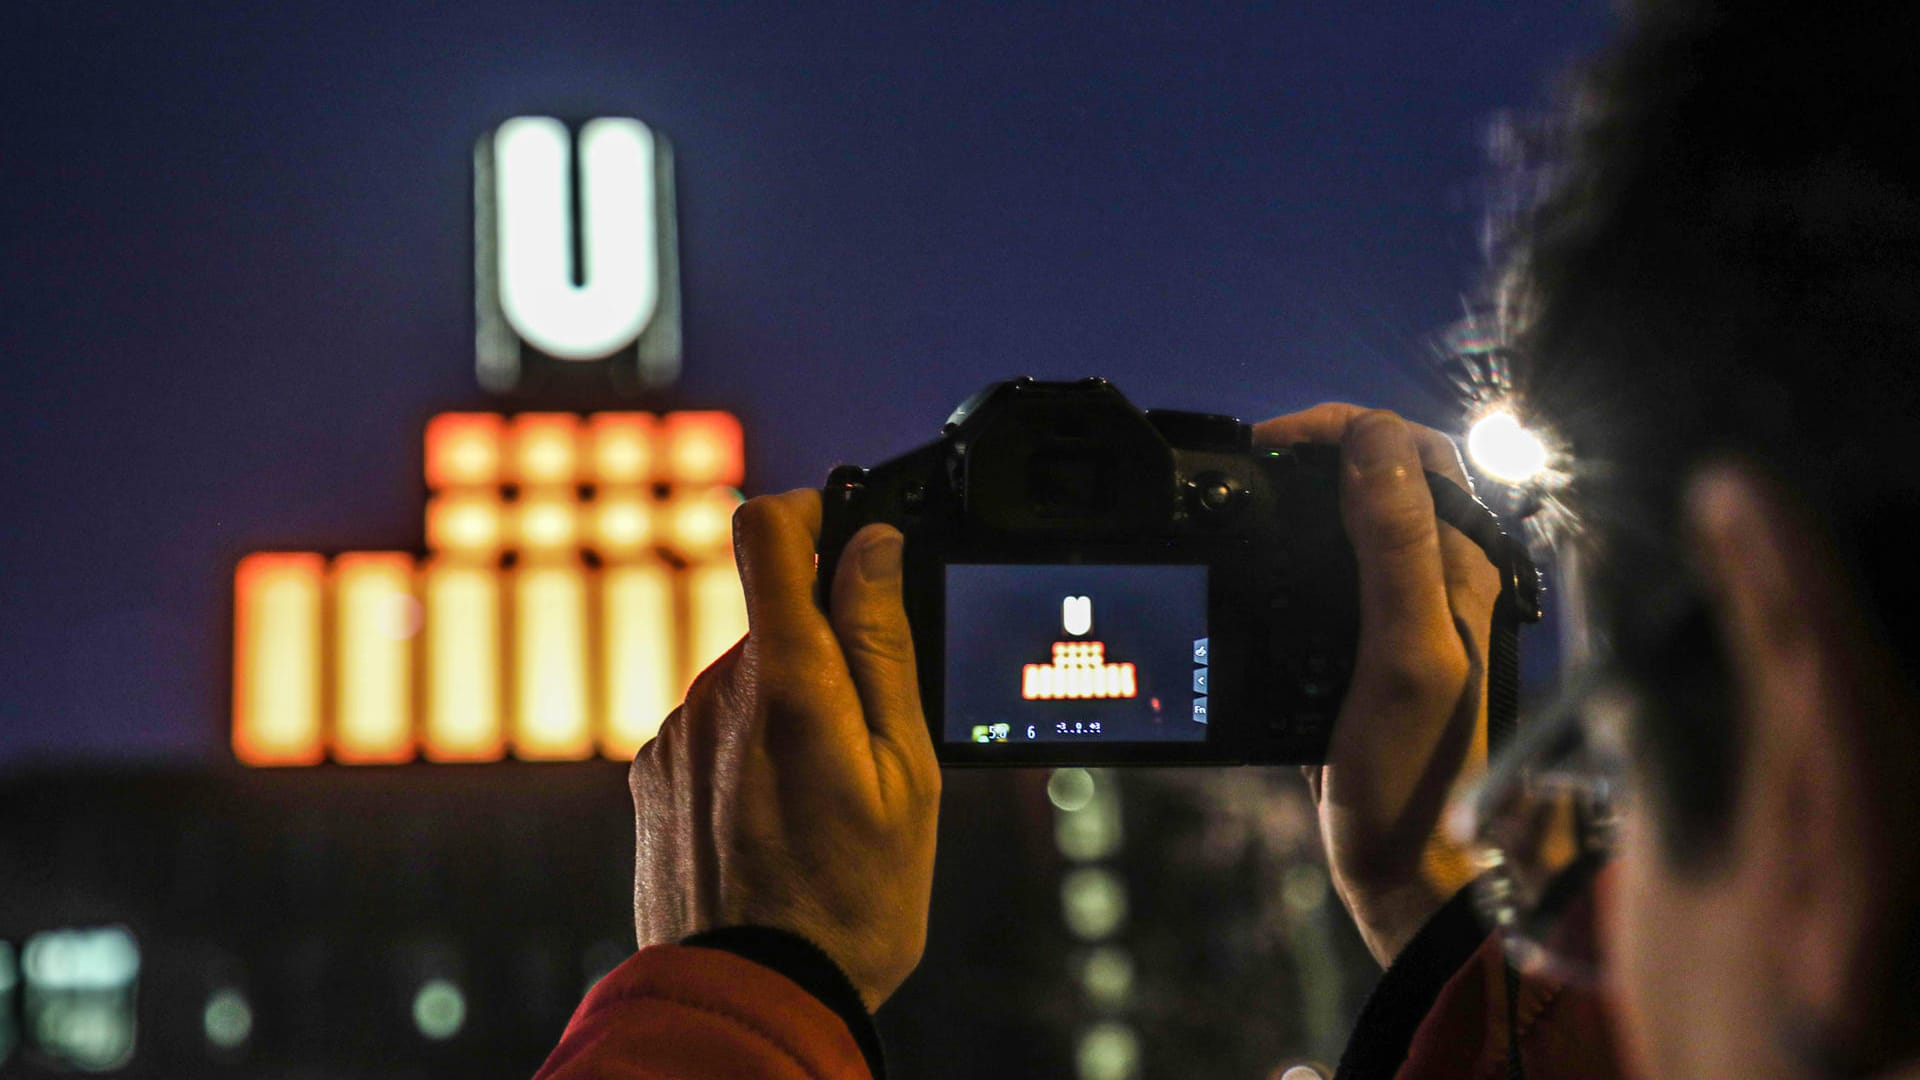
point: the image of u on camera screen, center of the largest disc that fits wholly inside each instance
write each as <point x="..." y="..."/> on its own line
<point x="1076" y="653"/>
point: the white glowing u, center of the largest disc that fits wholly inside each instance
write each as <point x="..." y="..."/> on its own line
<point x="1076" y="614"/>
<point x="620" y="285"/>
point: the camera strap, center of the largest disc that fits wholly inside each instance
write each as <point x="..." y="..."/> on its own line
<point x="1519" y="602"/>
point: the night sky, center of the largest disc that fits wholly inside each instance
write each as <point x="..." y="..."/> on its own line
<point x="235" y="257"/>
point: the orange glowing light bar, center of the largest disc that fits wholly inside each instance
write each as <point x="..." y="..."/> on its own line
<point x="545" y="522"/>
<point x="620" y="448"/>
<point x="375" y="621"/>
<point x="1079" y="672"/>
<point x="551" y="719"/>
<point x="462" y="670"/>
<point x="703" y="448"/>
<point x="700" y="526"/>
<point x="466" y="524"/>
<point x="505" y="638"/>
<point x="546" y="449"/>
<point x="716" y="615"/>
<point x="638" y="681"/>
<point x="276" y="661"/>
<point x="463" y="450"/>
<point x="620" y="524"/>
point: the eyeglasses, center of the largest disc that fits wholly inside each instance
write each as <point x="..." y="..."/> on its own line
<point x="1542" y="826"/>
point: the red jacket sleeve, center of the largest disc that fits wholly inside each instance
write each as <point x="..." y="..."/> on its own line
<point x="678" y="1012"/>
<point x="1565" y="1031"/>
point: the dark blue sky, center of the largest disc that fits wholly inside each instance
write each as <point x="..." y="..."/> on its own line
<point x="235" y="256"/>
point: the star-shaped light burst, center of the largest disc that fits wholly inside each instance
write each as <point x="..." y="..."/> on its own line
<point x="1505" y="444"/>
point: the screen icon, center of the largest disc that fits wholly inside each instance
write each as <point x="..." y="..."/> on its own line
<point x="1200" y="681"/>
<point x="1199" y="710"/>
<point x="1200" y="651"/>
<point x="1076" y="615"/>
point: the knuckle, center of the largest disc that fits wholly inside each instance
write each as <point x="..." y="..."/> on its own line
<point x="1408" y="679"/>
<point x="1400" y="528"/>
<point x="753" y="517"/>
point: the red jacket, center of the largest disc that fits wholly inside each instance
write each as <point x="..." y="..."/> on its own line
<point x="685" y="1012"/>
<point x="682" y="1012"/>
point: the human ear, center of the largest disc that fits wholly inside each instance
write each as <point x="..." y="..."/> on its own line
<point x="1805" y="864"/>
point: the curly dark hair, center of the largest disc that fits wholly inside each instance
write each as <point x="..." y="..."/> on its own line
<point x="1714" y="252"/>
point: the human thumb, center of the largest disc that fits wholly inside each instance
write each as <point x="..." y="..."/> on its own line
<point x="869" y="618"/>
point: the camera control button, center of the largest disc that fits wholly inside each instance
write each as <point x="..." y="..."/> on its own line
<point x="1213" y="493"/>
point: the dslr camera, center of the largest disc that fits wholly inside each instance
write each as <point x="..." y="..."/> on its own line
<point x="1090" y="583"/>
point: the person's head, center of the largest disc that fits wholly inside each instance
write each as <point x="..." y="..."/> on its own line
<point x="1713" y="289"/>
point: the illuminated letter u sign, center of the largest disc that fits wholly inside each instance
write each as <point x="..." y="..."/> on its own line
<point x="575" y="268"/>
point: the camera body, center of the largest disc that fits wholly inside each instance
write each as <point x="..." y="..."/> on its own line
<point x="1088" y="583"/>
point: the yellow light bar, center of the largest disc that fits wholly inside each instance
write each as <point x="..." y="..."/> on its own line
<point x="466" y="524"/>
<point x="620" y="524"/>
<point x="546" y="449"/>
<point x="463" y="450"/>
<point x="703" y="448"/>
<point x="579" y="575"/>
<point x="463" y="648"/>
<point x="699" y="525"/>
<point x="638" y="680"/>
<point x="550" y="713"/>
<point x="545" y="521"/>
<point x="375" y="621"/>
<point x="621" y="448"/>
<point x="716" y="615"/>
<point x="276" y="662"/>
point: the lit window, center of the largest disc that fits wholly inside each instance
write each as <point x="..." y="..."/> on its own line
<point x="637" y="656"/>
<point x="1109" y="1050"/>
<point x="621" y="448"/>
<point x="439" y="1009"/>
<point x="716" y="615"/>
<point x="700" y="525"/>
<point x="9" y="978"/>
<point x="375" y="620"/>
<point x="78" y="1000"/>
<point x="227" y="1020"/>
<point x="622" y="524"/>
<point x="544" y="521"/>
<point x="465" y="524"/>
<point x="704" y="448"/>
<point x="462" y="668"/>
<point x="463" y="450"/>
<point x="546" y="449"/>
<point x="549" y="628"/>
<point x="1094" y="902"/>
<point x="276" y="662"/>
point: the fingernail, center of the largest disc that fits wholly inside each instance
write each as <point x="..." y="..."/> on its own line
<point x="879" y="558"/>
<point x="1378" y="442"/>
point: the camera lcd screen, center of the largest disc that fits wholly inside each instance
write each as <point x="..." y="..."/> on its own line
<point x="1105" y="653"/>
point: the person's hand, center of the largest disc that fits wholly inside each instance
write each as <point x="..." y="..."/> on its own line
<point x="797" y="787"/>
<point x="1413" y="726"/>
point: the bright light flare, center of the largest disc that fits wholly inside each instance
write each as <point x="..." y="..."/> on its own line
<point x="1505" y="450"/>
